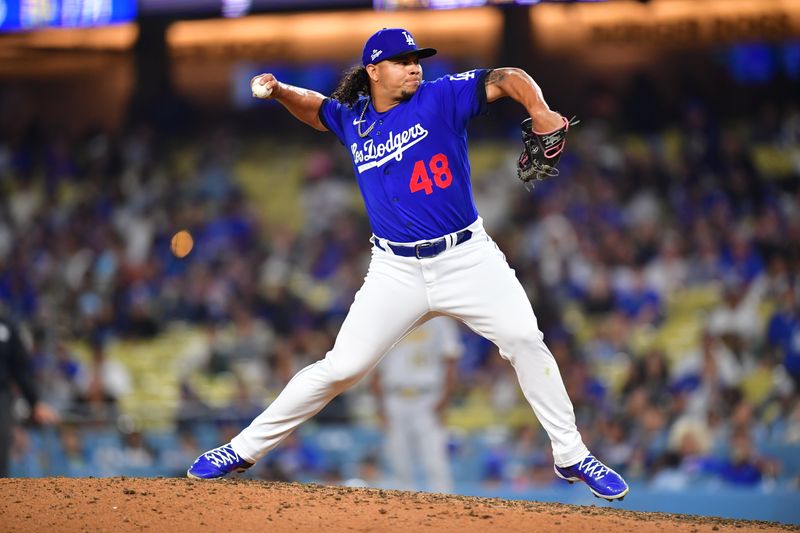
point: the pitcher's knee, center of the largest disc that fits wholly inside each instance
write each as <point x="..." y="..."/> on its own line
<point x="343" y="374"/>
<point x="524" y="342"/>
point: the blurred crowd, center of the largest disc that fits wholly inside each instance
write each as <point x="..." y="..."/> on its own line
<point x="635" y="220"/>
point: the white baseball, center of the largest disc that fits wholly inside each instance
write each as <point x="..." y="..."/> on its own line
<point x="261" y="91"/>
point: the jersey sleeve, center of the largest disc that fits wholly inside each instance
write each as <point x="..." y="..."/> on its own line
<point x="462" y="96"/>
<point x="331" y="113"/>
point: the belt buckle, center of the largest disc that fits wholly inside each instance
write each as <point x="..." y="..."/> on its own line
<point x="421" y="245"/>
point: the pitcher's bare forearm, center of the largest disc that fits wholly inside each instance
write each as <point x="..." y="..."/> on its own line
<point x="304" y="104"/>
<point x="520" y="86"/>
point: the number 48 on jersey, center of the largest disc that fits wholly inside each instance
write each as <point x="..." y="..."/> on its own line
<point x="439" y="169"/>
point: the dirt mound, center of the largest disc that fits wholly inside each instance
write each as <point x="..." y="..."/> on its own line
<point x="128" y="504"/>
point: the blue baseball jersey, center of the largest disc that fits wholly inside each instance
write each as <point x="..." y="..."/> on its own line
<point x="412" y="167"/>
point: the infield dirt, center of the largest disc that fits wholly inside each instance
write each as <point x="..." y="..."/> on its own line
<point x="183" y="506"/>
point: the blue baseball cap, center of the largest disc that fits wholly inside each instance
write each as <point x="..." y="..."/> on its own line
<point x="389" y="43"/>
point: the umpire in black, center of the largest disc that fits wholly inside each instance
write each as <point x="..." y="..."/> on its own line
<point x="15" y="370"/>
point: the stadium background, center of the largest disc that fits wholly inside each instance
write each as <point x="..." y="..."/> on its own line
<point x="662" y="266"/>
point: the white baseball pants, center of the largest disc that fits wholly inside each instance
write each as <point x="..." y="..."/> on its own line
<point x="471" y="282"/>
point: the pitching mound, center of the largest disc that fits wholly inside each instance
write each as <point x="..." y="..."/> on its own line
<point x="182" y="505"/>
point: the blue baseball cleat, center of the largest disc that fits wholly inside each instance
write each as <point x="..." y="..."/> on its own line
<point x="603" y="482"/>
<point x="217" y="463"/>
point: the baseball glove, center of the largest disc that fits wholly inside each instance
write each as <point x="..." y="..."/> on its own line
<point x="542" y="151"/>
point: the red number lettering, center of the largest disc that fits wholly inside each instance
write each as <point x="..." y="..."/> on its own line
<point x="440" y="168"/>
<point x="420" y="180"/>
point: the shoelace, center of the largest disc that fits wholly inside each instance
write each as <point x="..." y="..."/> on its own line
<point x="223" y="455"/>
<point x="592" y="467"/>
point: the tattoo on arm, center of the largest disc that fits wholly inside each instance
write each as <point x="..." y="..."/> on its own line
<point x="495" y="77"/>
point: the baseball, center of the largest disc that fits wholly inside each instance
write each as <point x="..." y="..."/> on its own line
<point x="182" y="243"/>
<point x="260" y="91"/>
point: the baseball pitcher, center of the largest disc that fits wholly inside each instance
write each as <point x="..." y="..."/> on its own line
<point x="431" y="255"/>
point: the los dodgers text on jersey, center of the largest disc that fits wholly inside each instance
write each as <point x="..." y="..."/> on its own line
<point x="372" y="154"/>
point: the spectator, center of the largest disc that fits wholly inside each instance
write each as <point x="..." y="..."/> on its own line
<point x="743" y="467"/>
<point x="705" y="374"/>
<point x="136" y="452"/>
<point x="687" y="460"/>
<point x="736" y="318"/>
<point x="649" y="373"/>
<point x="250" y="345"/>
<point x="75" y="461"/>
<point x="740" y="260"/>
<point x="639" y="302"/>
<point x="669" y="270"/>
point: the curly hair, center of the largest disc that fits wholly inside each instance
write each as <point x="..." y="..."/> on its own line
<point x="353" y="85"/>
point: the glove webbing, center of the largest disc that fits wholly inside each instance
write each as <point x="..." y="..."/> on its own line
<point x="553" y="143"/>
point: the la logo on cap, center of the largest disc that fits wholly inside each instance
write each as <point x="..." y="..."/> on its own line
<point x="390" y="43"/>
